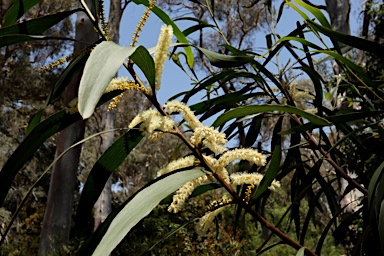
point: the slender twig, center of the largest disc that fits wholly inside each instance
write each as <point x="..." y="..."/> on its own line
<point x="216" y="24"/>
<point x="339" y="170"/>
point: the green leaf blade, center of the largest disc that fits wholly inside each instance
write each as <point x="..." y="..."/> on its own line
<point x="118" y="224"/>
<point x="102" y="65"/>
<point x="30" y="144"/>
<point x="104" y="167"/>
<point x="38" y="25"/>
<point x="274" y="165"/>
<point x="144" y="61"/>
<point x="225" y="61"/>
<point x="254" y="109"/>
<point x="17" y="10"/>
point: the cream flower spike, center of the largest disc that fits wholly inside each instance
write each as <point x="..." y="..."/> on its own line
<point x="275" y="184"/>
<point x="152" y="120"/>
<point x="188" y="115"/>
<point x="163" y="44"/>
<point x="299" y="97"/>
<point x="246" y="178"/>
<point x="206" y="222"/>
<point x="211" y="138"/>
<point x="184" y="192"/>
<point x="177" y="164"/>
<point x="222" y="171"/>
<point x="248" y="154"/>
<point x="251" y="178"/>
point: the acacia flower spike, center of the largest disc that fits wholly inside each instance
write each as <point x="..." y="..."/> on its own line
<point x="177" y="164"/>
<point x="152" y="120"/>
<point x="141" y="23"/>
<point x="211" y="138"/>
<point x="184" y="192"/>
<point x="205" y="222"/>
<point x="214" y="163"/>
<point x="252" y="179"/>
<point x="163" y="44"/>
<point x="248" y="154"/>
<point x="275" y="184"/>
<point x="299" y="97"/>
<point x="124" y="84"/>
<point x="188" y="115"/>
<point x="246" y="178"/>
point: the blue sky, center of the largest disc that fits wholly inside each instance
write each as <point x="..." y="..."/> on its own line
<point x="174" y="79"/>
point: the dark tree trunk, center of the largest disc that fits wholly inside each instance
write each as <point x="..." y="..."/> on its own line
<point x="58" y="214"/>
<point x="338" y="11"/>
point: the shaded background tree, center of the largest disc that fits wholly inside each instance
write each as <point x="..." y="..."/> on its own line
<point x="22" y="96"/>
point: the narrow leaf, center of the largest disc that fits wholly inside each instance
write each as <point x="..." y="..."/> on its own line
<point x="254" y="109"/>
<point x="144" y="61"/>
<point x="274" y="165"/>
<point x="353" y="116"/>
<point x="119" y="223"/>
<point x="202" y="24"/>
<point x="17" y="10"/>
<point x="316" y="12"/>
<point x="377" y="176"/>
<point x="380" y="217"/>
<point x="254" y="130"/>
<point x="225" y="61"/>
<point x="6" y="40"/>
<point x="36" y="26"/>
<point x="30" y="144"/>
<point x="104" y="167"/>
<point x="300" y="40"/>
<point x="353" y="41"/>
<point x="102" y="65"/>
<point x="300" y="252"/>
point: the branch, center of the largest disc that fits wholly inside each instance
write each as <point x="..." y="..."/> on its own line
<point x="322" y="7"/>
<point x="339" y="170"/>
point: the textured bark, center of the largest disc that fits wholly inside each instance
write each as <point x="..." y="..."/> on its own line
<point x="103" y="206"/>
<point x="58" y="214"/>
<point x="338" y="11"/>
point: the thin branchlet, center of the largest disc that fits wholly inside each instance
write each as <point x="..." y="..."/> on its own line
<point x="142" y="22"/>
<point x="67" y="58"/>
<point x="103" y="22"/>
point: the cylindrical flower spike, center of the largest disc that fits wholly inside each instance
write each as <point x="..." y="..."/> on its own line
<point x="248" y="154"/>
<point x="211" y="138"/>
<point x="188" y="115"/>
<point x="163" y="44"/>
<point x="177" y="164"/>
<point x="152" y="120"/>
<point x="206" y="221"/>
<point x="184" y="192"/>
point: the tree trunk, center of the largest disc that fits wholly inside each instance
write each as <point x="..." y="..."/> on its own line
<point x="58" y="213"/>
<point x="103" y="206"/>
<point x="338" y="11"/>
